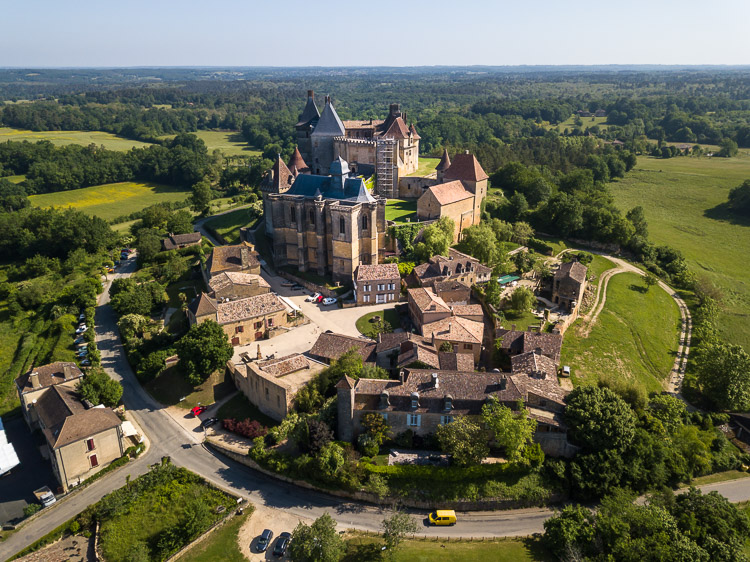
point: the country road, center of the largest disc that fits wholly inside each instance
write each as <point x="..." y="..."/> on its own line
<point x="168" y="438"/>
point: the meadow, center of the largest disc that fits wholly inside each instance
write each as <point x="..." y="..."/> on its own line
<point x="230" y="143"/>
<point x="228" y="225"/>
<point x="62" y="138"/>
<point x="111" y="200"/>
<point x="684" y="202"/>
<point x="426" y="166"/>
<point x="399" y="210"/>
<point x="634" y="340"/>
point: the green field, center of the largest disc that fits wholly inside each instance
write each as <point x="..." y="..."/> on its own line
<point x="683" y="199"/>
<point x="585" y="122"/>
<point x="62" y="138"/>
<point x="220" y="544"/>
<point x="426" y="166"/>
<point x="171" y="388"/>
<point x="230" y="143"/>
<point x="634" y="339"/>
<point x="111" y="200"/>
<point x="398" y="210"/>
<point x="228" y="225"/>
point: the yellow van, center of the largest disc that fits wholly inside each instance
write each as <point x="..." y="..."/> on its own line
<point x="443" y="517"/>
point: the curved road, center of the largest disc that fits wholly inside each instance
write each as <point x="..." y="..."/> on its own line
<point x="167" y="438"/>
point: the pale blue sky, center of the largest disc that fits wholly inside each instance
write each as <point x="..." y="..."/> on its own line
<point x="46" y="33"/>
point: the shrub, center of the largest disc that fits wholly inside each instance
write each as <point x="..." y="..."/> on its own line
<point x="31" y="509"/>
<point x="246" y="428"/>
<point x="367" y="445"/>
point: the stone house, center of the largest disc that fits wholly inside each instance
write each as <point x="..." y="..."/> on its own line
<point x="515" y="342"/>
<point x="465" y="336"/>
<point x="457" y="267"/>
<point x="244" y="320"/>
<point x="271" y="385"/>
<point x="452" y="292"/>
<point x="469" y="311"/>
<point x="423" y="399"/>
<point x="231" y="285"/>
<point x="569" y="285"/>
<point x="376" y="284"/>
<point x="426" y="307"/>
<point x="36" y="381"/>
<point x="179" y="241"/>
<point x="79" y="441"/>
<point x="329" y="347"/>
<point x="238" y="258"/>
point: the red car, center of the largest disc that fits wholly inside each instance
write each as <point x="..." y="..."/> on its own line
<point x="198" y="410"/>
<point x="319" y="299"/>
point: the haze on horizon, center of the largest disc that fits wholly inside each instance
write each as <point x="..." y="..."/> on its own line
<point x="385" y="33"/>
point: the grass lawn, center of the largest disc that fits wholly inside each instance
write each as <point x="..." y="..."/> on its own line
<point x="399" y="210"/>
<point x="719" y="477"/>
<point x="522" y="321"/>
<point x="240" y="408"/>
<point x="62" y="138"/>
<point x="221" y="544"/>
<point x="414" y="550"/>
<point x="389" y="315"/>
<point x="598" y="266"/>
<point x="228" y="225"/>
<point x="15" y="179"/>
<point x="111" y="200"/>
<point x="426" y="166"/>
<point x="683" y="199"/>
<point x="569" y="123"/>
<point x="230" y="143"/>
<point x="634" y="339"/>
<point x="170" y="386"/>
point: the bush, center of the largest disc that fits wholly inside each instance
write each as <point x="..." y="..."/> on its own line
<point x="367" y="445"/>
<point x="246" y="428"/>
<point x="31" y="509"/>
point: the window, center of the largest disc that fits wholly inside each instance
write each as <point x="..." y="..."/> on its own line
<point x="342" y="225"/>
<point x="258" y="325"/>
<point x="367" y="288"/>
<point x="391" y="286"/>
<point x="238" y="329"/>
<point x="444" y="420"/>
<point x="364" y="222"/>
<point x="293" y="214"/>
<point x="312" y="217"/>
<point x="390" y="296"/>
<point x="468" y="346"/>
<point x="90" y="445"/>
<point x="270" y="322"/>
<point x="366" y="298"/>
<point x="94" y="462"/>
<point x="380" y="298"/>
<point x="381" y="287"/>
<point x="267" y="397"/>
<point x="415" y="420"/>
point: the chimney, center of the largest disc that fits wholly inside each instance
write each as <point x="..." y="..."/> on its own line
<point x="435" y="380"/>
<point x="466" y="152"/>
<point x="401" y="376"/>
<point x="309" y="93"/>
<point x="395" y="109"/>
<point x="34" y="380"/>
<point x="433" y="339"/>
<point x="513" y="327"/>
<point x="328" y="100"/>
<point x="67" y="371"/>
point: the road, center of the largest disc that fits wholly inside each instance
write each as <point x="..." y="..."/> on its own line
<point x="168" y="438"/>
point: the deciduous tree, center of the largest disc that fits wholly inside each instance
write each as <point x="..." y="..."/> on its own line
<point x="203" y="350"/>
<point x="464" y="440"/>
<point x="319" y="542"/>
<point x="98" y="388"/>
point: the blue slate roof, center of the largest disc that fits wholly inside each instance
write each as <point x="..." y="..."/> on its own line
<point x="310" y="113"/>
<point x="329" y="123"/>
<point x="309" y="185"/>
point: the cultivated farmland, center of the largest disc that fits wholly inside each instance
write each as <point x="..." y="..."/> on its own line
<point x="62" y="138"/>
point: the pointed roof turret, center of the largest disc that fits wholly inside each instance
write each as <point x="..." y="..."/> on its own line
<point x="413" y="131"/>
<point x="329" y="122"/>
<point x="310" y="113"/>
<point x="465" y="167"/>
<point x="397" y="129"/>
<point x="278" y="179"/>
<point x="445" y="161"/>
<point x="339" y="167"/>
<point x="297" y="164"/>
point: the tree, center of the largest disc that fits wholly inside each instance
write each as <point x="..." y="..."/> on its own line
<point x="380" y="326"/>
<point x="98" y="388"/>
<point x="395" y="528"/>
<point x="723" y="372"/>
<point x="668" y="409"/>
<point x="638" y="219"/>
<point x="727" y="148"/>
<point x="492" y="292"/>
<point x="437" y="239"/>
<point x="464" y="440"/>
<point x="518" y="206"/>
<point x="132" y="325"/>
<point x="739" y="198"/>
<point x="148" y="244"/>
<point x="480" y="241"/>
<point x="319" y="542"/>
<point x="446" y="347"/>
<point x="523" y="261"/>
<point x="314" y="436"/>
<point x="598" y="419"/>
<point x="570" y="532"/>
<point x="512" y="431"/>
<point x="522" y="299"/>
<point x="376" y="427"/>
<point x="200" y="200"/>
<point x="650" y="280"/>
<point x="522" y="231"/>
<point x="180" y="222"/>
<point x="203" y="350"/>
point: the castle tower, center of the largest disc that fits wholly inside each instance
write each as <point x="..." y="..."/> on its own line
<point x="345" y="406"/>
<point x="297" y="164"/>
<point x="329" y="126"/>
<point x="307" y="121"/>
<point x="277" y="180"/>
<point x="466" y="168"/>
<point x="443" y="165"/>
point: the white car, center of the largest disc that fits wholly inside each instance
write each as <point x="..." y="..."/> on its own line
<point x="312" y="298"/>
<point x="82" y="328"/>
<point x="329" y="300"/>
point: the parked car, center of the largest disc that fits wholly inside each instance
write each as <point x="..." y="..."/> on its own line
<point x="209" y="422"/>
<point x="319" y="299"/>
<point x="83" y="352"/>
<point x="198" y="410"/>
<point x="110" y="270"/>
<point x="79" y="340"/>
<point x="117" y="262"/>
<point x="443" y="517"/>
<point x="282" y="543"/>
<point x="312" y="297"/>
<point x="86" y="363"/>
<point x="126" y="251"/>
<point x="82" y="317"/>
<point x="297" y="287"/>
<point x="288" y="284"/>
<point x="329" y="300"/>
<point x="264" y="540"/>
<point x="82" y="328"/>
<point x="45" y="496"/>
<point x="123" y="257"/>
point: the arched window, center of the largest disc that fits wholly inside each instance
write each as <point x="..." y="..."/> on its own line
<point x="364" y="222"/>
<point x="342" y="225"/>
<point x="293" y="214"/>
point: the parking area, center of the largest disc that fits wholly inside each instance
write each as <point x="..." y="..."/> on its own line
<point x="17" y="487"/>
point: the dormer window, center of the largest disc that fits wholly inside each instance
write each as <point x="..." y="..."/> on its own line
<point x="414" y="400"/>
<point x="384" y="403"/>
<point x="448" y="403"/>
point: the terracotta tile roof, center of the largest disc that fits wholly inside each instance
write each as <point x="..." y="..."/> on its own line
<point x="451" y="192"/>
<point x="516" y="342"/>
<point x="174" y="241"/>
<point x="426" y="300"/>
<point x="363" y="123"/>
<point x="532" y="362"/>
<point x="455" y="329"/>
<point x="250" y="307"/>
<point x="297" y="164"/>
<point x="203" y="306"/>
<point x="413" y="131"/>
<point x="66" y="420"/>
<point x="467" y="310"/>
<point x="49" y="375"/>
<point x="232" y="258"/>
<point x="376" y="272"/>
<point x="572" y="270"/>
<point x="333" y="346"/>
<point x="278" y="179"/>
<point x="228" y="278"/>
<point x="392" y="340"/>
<point x="445" y="161"/>
<point x="449" y="285"/>
<point x="418" y="352"/>
<point x="456" y="361"/>
<point x="465" y="167"/>
<point x="398" y="129"/>
<point x="545" y="388"/>
<point x="284" y="365"/>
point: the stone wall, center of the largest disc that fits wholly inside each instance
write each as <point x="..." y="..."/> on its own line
<point x="412" y="187"/>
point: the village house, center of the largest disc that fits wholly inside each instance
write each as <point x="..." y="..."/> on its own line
<point x="179" y="241"/>
<point x="35" y="382"/>
<point x="238" y="258"/>
<point x="465" y="336"/>
<point x="231" y="285"/>
<point x="514" y="342"/>
<point x="329" y="347"/>
<point x="423" y="399"/>
<point x="426" y="307"/>
<point x="244" y="320"/>
<point x="452" y="292"/>
<point x="79" y="441"/>
<point x="457" y="266"/>
<point x="569" y="285"/>
<point x="376" y="284"/>
<point x="272" y="385"/>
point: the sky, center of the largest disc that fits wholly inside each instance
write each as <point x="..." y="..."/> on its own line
<point x="51" y="33"/>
